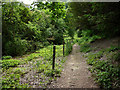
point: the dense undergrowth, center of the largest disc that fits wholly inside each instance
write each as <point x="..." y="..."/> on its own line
<point x="105" y="62"/>
<point x="106" y="72"/>
<point x="40" y="62"/>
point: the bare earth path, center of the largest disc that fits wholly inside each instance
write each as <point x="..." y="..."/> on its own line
<point x="75" y="73"/>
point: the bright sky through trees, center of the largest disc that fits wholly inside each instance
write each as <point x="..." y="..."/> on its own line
<point x="27" y="1"/>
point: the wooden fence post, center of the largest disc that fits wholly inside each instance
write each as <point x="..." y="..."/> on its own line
<point x="53" y="66"/>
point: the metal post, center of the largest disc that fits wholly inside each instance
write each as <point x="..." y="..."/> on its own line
<point x="53" y="66"/>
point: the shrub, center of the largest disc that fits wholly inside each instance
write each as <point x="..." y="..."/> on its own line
<point x="6" y="57"/>
<point x="10" y="63"/>
<point x="85" y="48"/>
<point x="68" y="48"/>
<point x="79" y="33"/>
<point x="106" y="74"/>
<point x="18" y="47"/>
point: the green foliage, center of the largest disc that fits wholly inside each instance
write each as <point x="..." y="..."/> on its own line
<point x="116" y="57"/>
<point x="79" y="33"/>
<point x="56" y="12"/>
<point x="105" y="73"/>
<point x="71" y="32"/>
<point x="85" y="48"/>
<point x="57" y="9"/>
<point x="68" y="48"/>
<point x="12" y="81"/>
<point x="48" y="72"/>
<point x="26" y="30"/>
<point x="69" y="24"/>
<point x="101" y="18"/>
<point x="43" y="66"/>
<point x="87" y="38"/>
<point x="38" y="26"/>
<point x="59" y="31"/>
<point x="96" y="54"/>
<point x="86" y="33"/>
<point x="29" y="58"/>
<point x="76" y="38"/>
<point x="113" y="53"/>
<point x="20" y="71"/>
<point x="92" y="58"/>
<point x="112" y="49"/>
<point x="13" y="28"/>
<point x="17" y="47"/>
<point x="47" y="52"/>
<point x="17" y="70"/>
<point x="6" y="57"/>
<point x="10" y="63"/>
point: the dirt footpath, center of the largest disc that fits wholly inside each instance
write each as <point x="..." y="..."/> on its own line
<point x="75" y="73"/>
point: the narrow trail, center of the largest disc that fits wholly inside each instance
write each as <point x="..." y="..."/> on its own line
<point x="75" y="73"/>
